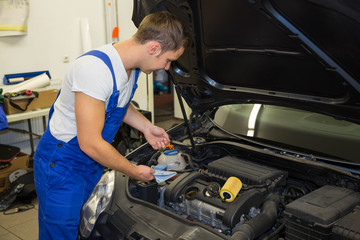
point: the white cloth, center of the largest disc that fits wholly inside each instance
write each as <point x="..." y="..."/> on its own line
<point x="90" y="75"/>
<point x="161" y="176"/>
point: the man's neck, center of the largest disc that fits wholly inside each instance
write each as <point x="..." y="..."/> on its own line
<point x="129" y="51"/>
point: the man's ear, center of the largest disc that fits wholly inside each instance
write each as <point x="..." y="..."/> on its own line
<point x="154" y="48"/>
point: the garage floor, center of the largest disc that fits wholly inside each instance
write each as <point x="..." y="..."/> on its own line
<point x="21" y="225"/>
<point x="24" y="225"/>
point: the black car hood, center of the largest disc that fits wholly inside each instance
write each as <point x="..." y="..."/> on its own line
<point x="301" y="53"/>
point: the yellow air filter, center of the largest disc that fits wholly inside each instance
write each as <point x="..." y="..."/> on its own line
<point x="230" y="189"/>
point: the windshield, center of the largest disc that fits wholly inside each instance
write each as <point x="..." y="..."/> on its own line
<point x="301" y="129"/>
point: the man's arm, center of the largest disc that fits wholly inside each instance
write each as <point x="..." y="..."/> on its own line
<point x="90" y="119"/>
<point x="156" y="136"/>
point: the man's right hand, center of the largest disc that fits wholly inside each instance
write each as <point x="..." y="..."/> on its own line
<point x="144" y="173"/>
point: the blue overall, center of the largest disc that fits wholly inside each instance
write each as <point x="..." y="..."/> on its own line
<point x="65" y="176"/>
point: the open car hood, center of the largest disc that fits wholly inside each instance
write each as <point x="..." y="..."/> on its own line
<point x="303" y="53"/>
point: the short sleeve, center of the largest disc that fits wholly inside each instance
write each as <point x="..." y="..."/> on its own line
<point x="91" y="76"/>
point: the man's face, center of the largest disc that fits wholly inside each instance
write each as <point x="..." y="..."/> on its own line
<point x="160" y="60"/>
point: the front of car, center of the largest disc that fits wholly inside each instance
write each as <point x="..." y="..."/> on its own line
<point x="271" y="148"/>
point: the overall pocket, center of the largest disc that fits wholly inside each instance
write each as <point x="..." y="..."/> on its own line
<point x="54" y="166"/>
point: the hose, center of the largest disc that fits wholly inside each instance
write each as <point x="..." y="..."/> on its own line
<point x="153" y="159"/>
<point x="261" y="223"/>
<point x="277" y="231"/>
<point x="191" y="163"/>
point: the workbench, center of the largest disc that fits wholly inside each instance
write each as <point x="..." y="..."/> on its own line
<point x="44" y="112"/>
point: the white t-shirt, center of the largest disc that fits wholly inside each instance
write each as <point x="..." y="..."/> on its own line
<point x="90" y="75"/>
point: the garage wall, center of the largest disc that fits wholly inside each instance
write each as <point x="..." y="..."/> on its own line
<point x="53" y="34"/>
<point x="144" y="95"/>
<point x="54" y="40"/>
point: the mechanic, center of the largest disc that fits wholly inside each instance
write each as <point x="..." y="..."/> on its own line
<point x="93" y="101"/>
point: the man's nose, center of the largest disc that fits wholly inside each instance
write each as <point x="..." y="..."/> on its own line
<point x="167" y="66"/>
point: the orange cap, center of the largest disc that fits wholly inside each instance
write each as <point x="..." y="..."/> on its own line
<point x="170" y="146"/>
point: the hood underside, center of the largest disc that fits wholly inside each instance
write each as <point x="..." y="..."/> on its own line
<point x="302" y="53"/>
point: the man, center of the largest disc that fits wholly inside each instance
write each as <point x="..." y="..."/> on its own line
<point x="84" y="119"/>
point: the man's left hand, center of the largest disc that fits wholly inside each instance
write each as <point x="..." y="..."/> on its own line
<point x="157" y="138"/>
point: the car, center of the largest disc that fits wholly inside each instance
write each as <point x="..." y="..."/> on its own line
<point x="271" y="149"/>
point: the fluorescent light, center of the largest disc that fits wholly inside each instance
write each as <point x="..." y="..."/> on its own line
<point x="253" y="116"/>
<point x="250" y="133"/>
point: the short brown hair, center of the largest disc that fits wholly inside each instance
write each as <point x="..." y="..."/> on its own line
<point x="164" y="28"/>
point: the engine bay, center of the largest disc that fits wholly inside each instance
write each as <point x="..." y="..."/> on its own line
<point x="271" y="201"/>
<point x="285" y="199"/>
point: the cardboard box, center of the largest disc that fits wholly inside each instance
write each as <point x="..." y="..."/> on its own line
<point x="45" y="99"/>
<point x="20" y="161"/>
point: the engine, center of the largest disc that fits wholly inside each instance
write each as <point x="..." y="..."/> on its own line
<point x="268" y="199"/>
<point x="197" y="194"/>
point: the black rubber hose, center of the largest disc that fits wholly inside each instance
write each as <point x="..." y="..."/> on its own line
<point x="153" y="159"/>
<point x="261" y="223"/>
<point x="275" y="232"/>
<point x="191" y="163"/>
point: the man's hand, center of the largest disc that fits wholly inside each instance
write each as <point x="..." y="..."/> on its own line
<point x="144" y="173"/>
<point x="157" y="137"/>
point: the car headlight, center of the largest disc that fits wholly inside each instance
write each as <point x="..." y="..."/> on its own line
<point x="97" y="203"/>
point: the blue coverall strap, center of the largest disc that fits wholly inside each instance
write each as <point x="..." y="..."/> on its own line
<point x="137" y="73"/>
<point x="52" y="107"/>
<point x="105" y="58"/>
<point x="113" y="101"/>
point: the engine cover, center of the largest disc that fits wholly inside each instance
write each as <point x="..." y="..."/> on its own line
<point x="197" y="194"/>
<point x="249" y="173"/>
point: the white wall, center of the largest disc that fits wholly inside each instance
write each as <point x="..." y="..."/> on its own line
<point x="144" y="95"/>
<point x="53" y="34"/>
